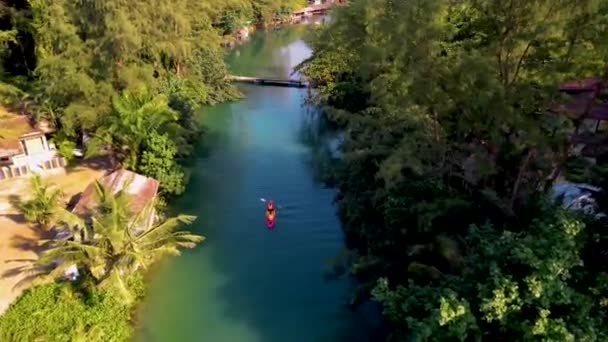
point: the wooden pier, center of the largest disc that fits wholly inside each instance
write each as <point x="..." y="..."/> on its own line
<point x="269" y="81"/>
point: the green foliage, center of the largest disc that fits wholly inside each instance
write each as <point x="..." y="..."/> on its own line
<point x="66" y="149"/>
<point x="66" y="312"/>
<point x="86" y="52"/>
<point x="109" y="69"/>
<point x="266" y="10"/>
<point x="135" y="115"/>
<point x="521" y="285"/>
<point x="141" y="131"/>
<point x="234" y="17"/>
<point x="44" y="205"/>
<point x="158" y="162"/>
<point x="443" y="105"/>
<point x="114" y="242"/>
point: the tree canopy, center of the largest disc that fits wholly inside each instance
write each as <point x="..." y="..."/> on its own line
<point x="85" y="52"/>
<point x="104" y="69"/>
<point x="445" y="109"/>
<point x="126" y="78"/>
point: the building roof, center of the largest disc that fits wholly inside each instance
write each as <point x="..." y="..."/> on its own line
<point x="575" y="106"/>
<point x="141" y="188"/>
<point x="583" y="100"/>
<point x="12" y="128"/>
<point x="586" y="84"/>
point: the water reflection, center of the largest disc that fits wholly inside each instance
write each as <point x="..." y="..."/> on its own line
<point x="324" y="141"/>
<point x="270" y="53"/>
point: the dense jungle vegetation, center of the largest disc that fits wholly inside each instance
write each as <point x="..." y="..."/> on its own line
<point x="126" y="77"/>
<point x="448" y="157"/>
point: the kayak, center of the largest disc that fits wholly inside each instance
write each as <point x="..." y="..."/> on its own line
<point x="270" y="220"/>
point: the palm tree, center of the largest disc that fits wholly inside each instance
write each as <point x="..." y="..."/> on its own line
<point x="135" y="115"/>
<point x="106" y="245"/>
<point x="44" y="206"/>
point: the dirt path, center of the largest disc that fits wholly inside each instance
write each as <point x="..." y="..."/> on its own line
<point x="17" y="237"/>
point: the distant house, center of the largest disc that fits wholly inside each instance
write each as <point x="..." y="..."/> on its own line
<point x="315" y="8"/>
<point x="586" y="106"/>
<point x="24" y="146"/>
<point x="242" y="33"/>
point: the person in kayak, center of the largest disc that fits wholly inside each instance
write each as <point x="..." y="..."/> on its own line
<point x="270" y="208"/>
<point x="270" y="214"/>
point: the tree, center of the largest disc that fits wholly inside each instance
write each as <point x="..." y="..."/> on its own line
<point x="142" y="133"/>
<point x="110" y="245"/>
<point x="444" y="109"/>
<point x="267" y="10"/>
<point x="134" y="117"/>
<point x="66" y="149"/>
<point x="77" y="56"/>
<point x="234" y="17"/>
<point x="158" y="162"/>
<point x="521" y="284"/>
<point x="67" y="312"/>
<point x="45" y="204"/>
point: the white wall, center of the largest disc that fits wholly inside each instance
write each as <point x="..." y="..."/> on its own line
<point x="38" y="151"/>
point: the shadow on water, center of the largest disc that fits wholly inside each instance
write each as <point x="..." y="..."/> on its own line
<point x="324" y="140"/>
<point x="246" y="283"/>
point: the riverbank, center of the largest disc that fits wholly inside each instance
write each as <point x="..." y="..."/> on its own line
<point x="242" y="35"/>
<point x="98" y="302"/>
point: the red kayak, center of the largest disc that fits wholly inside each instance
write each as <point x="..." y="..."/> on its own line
<point x="271" y="215"/>
<point x="271" y="218"/>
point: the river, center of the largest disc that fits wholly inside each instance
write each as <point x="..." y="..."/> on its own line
<point x="246" y="283"/>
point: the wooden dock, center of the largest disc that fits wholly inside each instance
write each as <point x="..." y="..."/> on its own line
<point x="269" y="81"/>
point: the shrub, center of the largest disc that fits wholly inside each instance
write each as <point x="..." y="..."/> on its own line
<point x="69" y="312"/>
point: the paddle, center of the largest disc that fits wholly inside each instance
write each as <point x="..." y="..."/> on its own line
<point x="278" y="206"/>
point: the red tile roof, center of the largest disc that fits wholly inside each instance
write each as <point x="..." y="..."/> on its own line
<point x="141" y="188"/>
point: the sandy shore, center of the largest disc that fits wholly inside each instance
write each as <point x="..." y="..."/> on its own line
<point x="17" y="237"/>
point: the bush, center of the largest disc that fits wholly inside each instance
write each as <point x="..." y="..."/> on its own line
<point x="66" y="149"/>
<point x="69" y="312"/>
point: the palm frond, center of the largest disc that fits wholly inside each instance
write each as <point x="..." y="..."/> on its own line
<point x="43" y="205"/>
<point x="185" y="240"/>
<point x="142" y="216"/>
<point x="166" y="227"/>
<point x="110" y="249"/>
<point x="115" y="282"/>
<point x="74" y="222"/>
<point x="88" y="248"/>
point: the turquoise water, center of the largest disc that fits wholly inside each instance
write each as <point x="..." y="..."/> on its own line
<point x="245" y="282"/>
